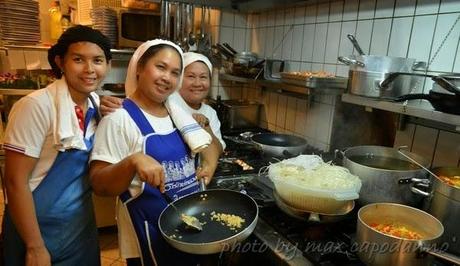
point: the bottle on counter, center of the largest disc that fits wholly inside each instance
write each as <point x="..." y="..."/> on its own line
<point x="55" y="20"/>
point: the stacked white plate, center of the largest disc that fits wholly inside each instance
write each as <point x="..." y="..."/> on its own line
<point x="19" y="22"/>
<point x="105" y="20"/>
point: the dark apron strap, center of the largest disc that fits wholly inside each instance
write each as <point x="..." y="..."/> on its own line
<point x="138" y="117"/>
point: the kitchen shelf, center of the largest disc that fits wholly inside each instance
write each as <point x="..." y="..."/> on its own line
<point x="415" y="108"/>
<point x="281" y="87"/>
<point x="43" y="47"/>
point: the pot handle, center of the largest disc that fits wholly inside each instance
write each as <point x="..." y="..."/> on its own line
<point x="349" y="61"/>
<point x="419" y="191"/>
<point x="393" y="75"/>
<point x="441" y="255"/>
<point x="419" y="65"/>
<point x="414" y="96"/>
<point x="337" y="152"/>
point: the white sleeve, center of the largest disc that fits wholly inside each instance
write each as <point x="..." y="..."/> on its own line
<point x="28" y="124"/>
<point x="215" y="126"/>
<point x="111" y="143"/>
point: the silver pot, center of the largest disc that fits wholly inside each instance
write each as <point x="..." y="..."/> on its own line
<point x="385" y="174"/>
<point x="444" y="204"/>
<point x="376" y="248"/>
<point x="368" y="71"/>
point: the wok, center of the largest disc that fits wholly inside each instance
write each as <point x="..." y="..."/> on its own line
<point x="215" y="237"/>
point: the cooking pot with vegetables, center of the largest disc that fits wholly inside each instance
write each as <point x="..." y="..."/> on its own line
<point x="443" y="202"/>
<point x="386" y="175"/>
<point x="394" y="234"/>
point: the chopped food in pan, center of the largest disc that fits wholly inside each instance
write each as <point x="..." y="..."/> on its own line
<point x="451" y="180"/>
<point x="188" y="219"/>
<point x="234" y="222"/>
<point x="397" y="230"/>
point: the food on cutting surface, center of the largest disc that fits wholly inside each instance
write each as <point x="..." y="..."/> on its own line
<point x="312" y="172"/>
<point x="451" y="180"/>
<point x="397" y="230"/>
<point x="308" y="74"/>
<point x="232" y="221"/>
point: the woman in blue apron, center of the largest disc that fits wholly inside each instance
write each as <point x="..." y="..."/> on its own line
<point x="49" y="217"/>
<point x="139" y="154"/>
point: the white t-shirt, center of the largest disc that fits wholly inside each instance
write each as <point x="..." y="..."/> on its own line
<point x="117" y="137"/>
<point x="29" y="131"/>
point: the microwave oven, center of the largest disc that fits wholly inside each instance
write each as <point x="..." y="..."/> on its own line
<point x="138" y="26"/>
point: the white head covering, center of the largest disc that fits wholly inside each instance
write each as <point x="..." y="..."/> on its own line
<point x="191" y="57"/>
<point x="131" y="75"/>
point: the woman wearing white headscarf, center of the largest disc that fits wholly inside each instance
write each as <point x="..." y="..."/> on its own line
<point x="139" y="154"/>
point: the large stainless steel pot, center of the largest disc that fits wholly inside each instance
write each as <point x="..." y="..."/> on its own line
<point x="368" y="71"/>
<point x="444" y="204"/>
<point x="385" y="174"/>
<point x="376" y="248"/>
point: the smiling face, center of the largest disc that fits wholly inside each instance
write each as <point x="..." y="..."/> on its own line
<point x="159" y="76"/>
<point x="196" y="83"/>
<point x="84" y="66"/>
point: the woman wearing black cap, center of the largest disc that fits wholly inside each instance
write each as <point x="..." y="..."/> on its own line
<point x="49" y="217"/>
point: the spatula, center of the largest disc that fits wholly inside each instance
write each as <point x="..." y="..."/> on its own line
<point x="189" y="220"/>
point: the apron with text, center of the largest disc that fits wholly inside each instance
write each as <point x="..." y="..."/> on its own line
<point x="145" y="209"/>
<point x="64" y="211"/>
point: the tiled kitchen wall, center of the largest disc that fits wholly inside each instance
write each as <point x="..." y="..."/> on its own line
<point x="311" y="36"/>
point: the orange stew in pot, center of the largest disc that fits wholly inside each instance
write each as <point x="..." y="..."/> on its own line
<point x="451" y="180"/>
<point x="397" y="230"/>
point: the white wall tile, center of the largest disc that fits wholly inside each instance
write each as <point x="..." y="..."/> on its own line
<point x="301" y="117"/>
<point x="299" y="16"/>
<point x="270" y="35"/>
<point x="333" y="38"/>
<point x="289" y="16"/>
<point x="447" y="151"/>
<point x="305" y="66"/>
<point x="399" y="38"/>
<point x="404" y="8"/>
<point x="323" y="125"/>
<point x="350" y="10"/>
<point x="279" y="17"/>
<point x="310" y="13"/>
<point x="445" y="59"/>
<point x="259" y="42"/>
<point x="271" y="18"/>
<point x="449" y="6"/>
<point x="308" y="42"/>
<point x="253" y="20"/>
<point x="227" y="19"/>
<point x="330" y="68"/>
<point x="424" y="142"/>
<point x="320" y="42"/>
<point x="427" y="7"/>
<point x="366" y="9"/>
<point x="346" y="48"/>
<point x="384" y="8"/>
<point x="292" y="66"/>
<point x="241" y="20"/>
<point x="247" y="41"/>
<point x="422" y="31"/>
<point x="380" y="36"/>
<point x="287" y="42"/>
<point x="277" y="42"/>
<point x="239" y="39"/>
<point x="297" y="37"/>
<point x="226" y="34"/>
<point x="316" y="67"/>
<point x="263" y="19"/>
<point x="323" y="12"/>
<point x="336" y="11"/>
<point x="342" y="71"/>
<point x="363" y="35"/>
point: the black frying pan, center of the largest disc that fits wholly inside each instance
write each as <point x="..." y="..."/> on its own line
<point x="214" y="237"/>
<point x="443" y="102"/>
<point x="280" y="145"/>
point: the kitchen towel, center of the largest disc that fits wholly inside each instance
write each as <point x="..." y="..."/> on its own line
<point x="66" y="129"/>
<point x="193" y="134"/>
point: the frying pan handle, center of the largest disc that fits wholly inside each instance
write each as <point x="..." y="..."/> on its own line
<point x="445" y="84"/>
<point x="393" y="75"/>
<point x="441" y="255"/>
<point x="348" y="61"/>
<point x="202" y="184"/>
<point x="413" y="96"/>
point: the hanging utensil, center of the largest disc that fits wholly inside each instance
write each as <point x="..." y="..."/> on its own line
<point x="355" y="44"/>
<point x="191" y="34"/>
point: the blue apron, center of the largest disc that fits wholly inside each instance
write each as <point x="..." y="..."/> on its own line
<point x="64" y="210"/>
<point x="145" y="209"/>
